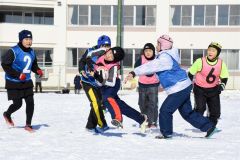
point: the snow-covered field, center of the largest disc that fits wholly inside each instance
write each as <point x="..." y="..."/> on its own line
<point x="60" y="123"/>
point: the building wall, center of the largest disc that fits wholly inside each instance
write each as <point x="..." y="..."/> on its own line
<point x="62" y="36"/>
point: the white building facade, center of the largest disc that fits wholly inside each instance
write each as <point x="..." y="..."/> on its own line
<point x="63" y="29"/>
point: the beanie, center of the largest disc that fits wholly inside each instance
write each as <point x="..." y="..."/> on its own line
<point x="166" y="42"/>
<point x="24" y="34"/>
<point x="217" y="46"/>
<point x="118" y="54"/>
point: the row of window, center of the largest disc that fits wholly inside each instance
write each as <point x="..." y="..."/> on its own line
<point x="26" y="16"/>
<point x="204" y="15"/>
<point x="107" y="15"/>
<point x="229" y="56"/>
<point x="187" y="56"/>
<point x="180" y="15"/>
<point x="44" y="56"/>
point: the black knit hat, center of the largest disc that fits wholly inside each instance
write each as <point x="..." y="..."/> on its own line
<point x="118" y="54"/>
<point x="24" y="34"/>
<point x="217" y="46"/>
<point x="149" y="46"/>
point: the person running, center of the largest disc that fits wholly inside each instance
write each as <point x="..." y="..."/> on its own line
<point x="92" y="87"/>
<point x="18" y="63"/>
<point x="106" y="72"/>
<point x="177" y="85"/>
<point x="211" y="75"/>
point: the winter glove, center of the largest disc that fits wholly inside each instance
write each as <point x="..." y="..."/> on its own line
<point x="40" y="73"/>
<point x="98" y="77"/>
<point x="22" y="76"/>
<point x="221" y="87"/>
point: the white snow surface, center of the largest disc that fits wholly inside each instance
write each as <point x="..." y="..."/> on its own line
<point x="60" y="119"/>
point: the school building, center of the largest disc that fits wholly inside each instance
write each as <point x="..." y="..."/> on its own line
<point x="63" y="29"/>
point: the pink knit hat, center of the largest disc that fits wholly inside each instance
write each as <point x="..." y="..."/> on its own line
<point x="166" y="42"/>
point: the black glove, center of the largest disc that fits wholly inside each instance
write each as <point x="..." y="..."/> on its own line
<point x="221" y="87"/>
<point x="98" y="77"/>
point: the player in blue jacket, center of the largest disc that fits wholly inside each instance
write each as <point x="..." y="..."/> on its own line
<point x="91" y="86"/>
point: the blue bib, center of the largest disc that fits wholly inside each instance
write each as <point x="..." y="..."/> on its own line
<point x="22" y="63"/>
<point x="169" y="78"/>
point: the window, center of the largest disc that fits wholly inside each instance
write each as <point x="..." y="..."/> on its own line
<point x="2" y="52"/>
<point x="175" y="15"/>
<point x="28" y="18"/>
<point x="83" y="15"/>
<point x="140" y="15"/>
<point x="234" y="15"/>
<point x="223" y="15"/>
<point x="204" y="15"/>
<point x="138" y="53"/>
<point x="73" y="14"/>
<point x="128" y="58"/>
<point x="5" y="16"/>
<point x="128" y="15"/>
<point x="105" y="15"/>
<point x="197" y="53"/>
<point x="48" y="18"/>
<point x="151" y="14"/>
<point x="17" y="17"/>
<point x="95" y="15"/>
<point x="38" y="18"/>
<point x="185" y="55"/>
<point x="232" y="60"/>
<point x="108" y="15"/>
<point x="186" y="19"/>
<point x="74" y="55"/>
<point x="44" y="57"/>
<point x="210" y="16"/>
<point x="115" y="15"/>
<point x="199" y="15"/>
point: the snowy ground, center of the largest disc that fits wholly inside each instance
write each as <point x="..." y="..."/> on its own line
<point x="61" y="135"/>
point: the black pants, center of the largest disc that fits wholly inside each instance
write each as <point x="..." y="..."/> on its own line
<point x="148" y="103"/>
<point x="96" y="116"/>
<point x="17" y="104"/>
<point x="208" y="97"/>
<point x="38" y="84"/>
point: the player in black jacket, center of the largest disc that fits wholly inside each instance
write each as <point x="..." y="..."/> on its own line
<point x="18" y="63"/>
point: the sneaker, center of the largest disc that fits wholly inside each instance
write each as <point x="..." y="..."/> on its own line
<point x="117" y="123"/>
<point x="144" y="125"/>
<point x="163" y="137"/>
<point x="29" y="128"/>
<point x="211" y="131"/>
<point x="8" y="119"/>
<point x="102" y="129"/>
<point x="92" y="130"/>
